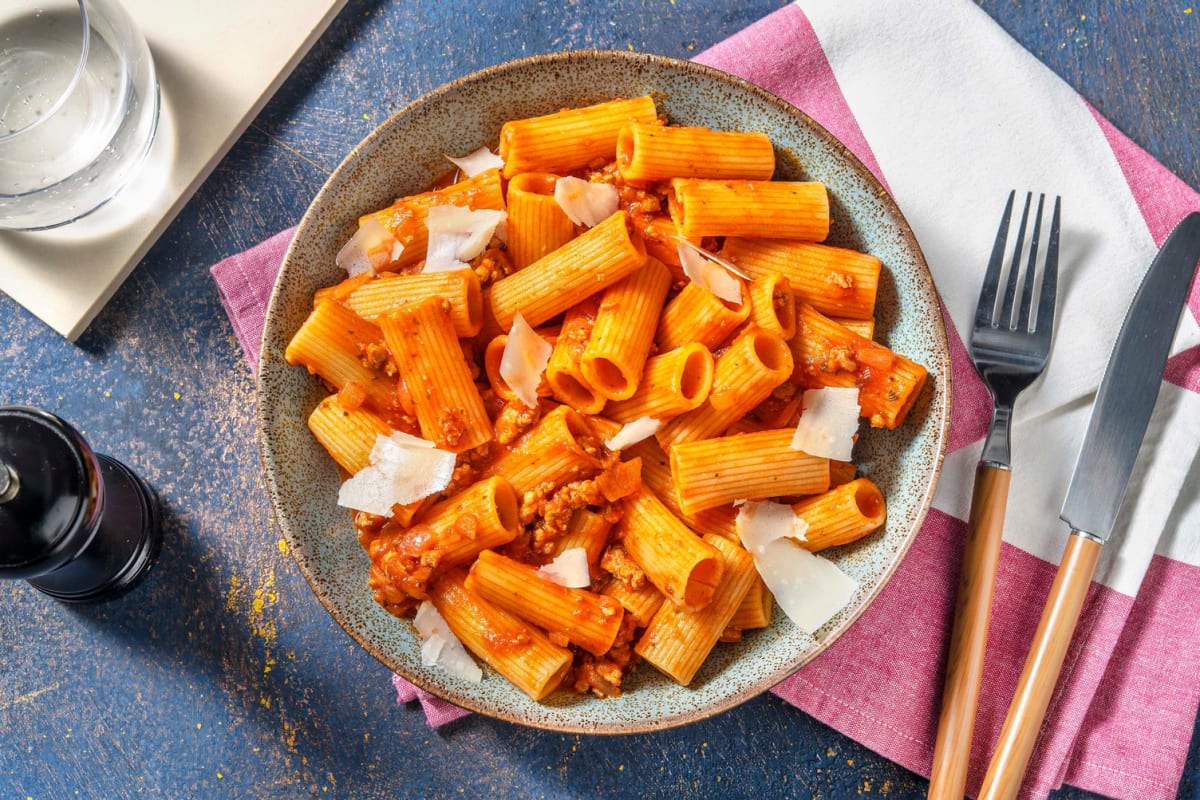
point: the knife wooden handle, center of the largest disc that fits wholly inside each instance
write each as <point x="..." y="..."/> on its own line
<point x="1042" y="665"/>
<point x="968" y="642"/>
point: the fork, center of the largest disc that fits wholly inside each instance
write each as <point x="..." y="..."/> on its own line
<point x="1009" y="346"/>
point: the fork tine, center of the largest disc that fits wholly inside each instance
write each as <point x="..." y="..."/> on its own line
<point x="986" y="308"/>
<point x="1044" y="324"/>
<point x="1031" y="268"/>
<point x="1014" y="270"/>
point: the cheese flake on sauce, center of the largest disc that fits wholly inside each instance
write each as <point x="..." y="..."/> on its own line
<point x="524" y="359"/>
<point x="440" y="647"/>
<point x="403" y="469"/>
<point x="370" y="248"/>
<point x="633" y="432"/>
<point x="828" y="423"/>
<point x="810" y="589"/>
<point x="478" y="161"/>
<point x="569" y="568"/>
<point x="586" y="203"/>
<point x="700" y="267"/>
<point x="458" y="234"/>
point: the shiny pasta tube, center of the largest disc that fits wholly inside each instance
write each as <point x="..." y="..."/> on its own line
<point x="648" y="152"/>
<point x="589" y="263"/>
<point x="863" y="327"/>
<point x="640" y="604"/>
<point x="835" y="281"/>
<point x="842" y="515"/>
<point x="329" y="343"/>
<point x="449" y="407"/>
<point x="768" y="209"/>
<point x="757" y="608"/>
<point x="656" y="476"/>
<point x="559" y="449"/>
<point x="514" y="648"/>
<point x="772" y="305"/>
<point x="747" y="466"/>
<point x="674" y="558"/>
<point x="698" y="315"/>
<point x="482" y="516"/>
<point x="571" y="138"/>
<point x="564" y="371"/>
<point x="744" y="375"/>
<point x="672" y="383"/>
<point x="623" y="332"/>
<point x="348" y="436"/>
<point x="585" y="619"/>
<point x="676" y="642"/>
<point x="827" y="354"/>
<point x="390" y="292"/>
<point x="587" y="530"/>
<point x="536" y="223"/>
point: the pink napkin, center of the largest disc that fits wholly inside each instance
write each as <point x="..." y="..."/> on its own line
<point x="1123" y="715"/>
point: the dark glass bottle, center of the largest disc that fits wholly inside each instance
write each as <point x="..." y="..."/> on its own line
<point x="75" y="524"/>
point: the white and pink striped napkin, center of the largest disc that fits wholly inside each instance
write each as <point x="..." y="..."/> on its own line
<point x="950" y="113"/>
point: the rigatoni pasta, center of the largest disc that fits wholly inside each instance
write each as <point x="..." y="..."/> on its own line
<point x="835" y="281"/>
<point x="586" y="515"/>
<point x="660" y="152"/>
<point x="571" y="138"/>
<point x="767" y="209"/>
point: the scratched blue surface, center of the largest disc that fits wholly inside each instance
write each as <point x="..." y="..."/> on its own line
<point x="222" y="676"/>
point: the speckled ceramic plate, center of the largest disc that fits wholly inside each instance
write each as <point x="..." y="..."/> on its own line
<point x="404" y="155"/>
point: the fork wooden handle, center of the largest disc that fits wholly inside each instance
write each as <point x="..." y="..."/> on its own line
<point x="1042" y="665"/>
<point x="968" y="642"/>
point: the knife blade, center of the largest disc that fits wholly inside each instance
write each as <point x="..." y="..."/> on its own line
<point x="1127" y="393"/>
<point x="1120" y="416"/>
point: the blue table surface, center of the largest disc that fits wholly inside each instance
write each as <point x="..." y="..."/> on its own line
<point x="222" y="676"/>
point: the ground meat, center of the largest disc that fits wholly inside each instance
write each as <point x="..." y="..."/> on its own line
<point x="548" y="509"/>
<point x="617" y="563"/>
<point x="839" y="359"/>
<point x="452" y="427"/>
<point x="374" y="355"/>
<point x="492" y="265"/>
<point x="513" y="419"/>
<point x="642" y="203"/>
<point x="405" y="558"/>
<point x="602" y="675"/>
<point x="387" y="595"/>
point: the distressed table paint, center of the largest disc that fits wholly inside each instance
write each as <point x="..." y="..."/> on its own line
<point x="222" y="676"/>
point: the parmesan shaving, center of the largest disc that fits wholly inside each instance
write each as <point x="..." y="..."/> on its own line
<point x="458" y="234"/>
<point x="633" y="432"/>
<point x="403" y="469"/>
<point x="569" y="568"/>
<point x="524" y="360"/>
<point x="828" y="423"/>
<point x="440" y="647"/>
<point x="810" y="589"/>
<point x="707" y="273"/>
<point x="586" y="203"/>
<point x="476" y="162"/>
<point x="371" y="247"/>
<point x="724" y="262"/>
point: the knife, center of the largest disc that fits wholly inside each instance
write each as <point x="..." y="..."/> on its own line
<point x="1120" y="415"/>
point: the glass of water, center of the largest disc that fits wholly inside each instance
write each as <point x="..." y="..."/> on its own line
<point x="79" y="106"/>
